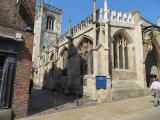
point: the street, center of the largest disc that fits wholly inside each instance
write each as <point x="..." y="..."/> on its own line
<point x="132" y="109"/>
<point x="151" y="114"/>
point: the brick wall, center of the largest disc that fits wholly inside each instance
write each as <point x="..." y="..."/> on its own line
<point x="23" y="71"/>
<point x="9" y="16"/>
<point x="10" y="24"/>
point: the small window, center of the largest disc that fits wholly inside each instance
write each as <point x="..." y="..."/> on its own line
<point x="50" y="23"/>
<point x="84" y="82"/>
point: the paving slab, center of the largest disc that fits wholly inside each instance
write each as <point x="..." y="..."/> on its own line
<point x="108" y="111"/>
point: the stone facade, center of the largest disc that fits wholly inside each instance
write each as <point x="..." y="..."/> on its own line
<point x="107" y="44"/>
<point x="47" y="30"/>
<point x="151" y="53"/>
<point x="16" y="21"/>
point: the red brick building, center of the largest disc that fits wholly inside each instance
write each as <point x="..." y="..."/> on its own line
<point x="16" y="41"/>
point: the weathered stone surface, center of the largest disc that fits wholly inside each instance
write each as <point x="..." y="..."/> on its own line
<point x="5" y="114"/>
<point x="101" y="96"/>
<point x="100" y="43"/>
<point x="123" y="75"/>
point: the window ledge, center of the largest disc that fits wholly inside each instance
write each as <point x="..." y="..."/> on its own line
<point x="127" y="70"/>
<point x="50" y="31"/>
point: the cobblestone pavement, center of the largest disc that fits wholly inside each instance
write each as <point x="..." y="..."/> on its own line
<point x="43" y="102"/>
<point x="132" y="109"/>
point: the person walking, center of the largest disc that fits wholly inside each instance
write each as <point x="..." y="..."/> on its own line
<point x="155" y="88"/>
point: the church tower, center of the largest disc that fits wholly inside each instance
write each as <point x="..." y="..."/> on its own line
<point x="47" y="29"/>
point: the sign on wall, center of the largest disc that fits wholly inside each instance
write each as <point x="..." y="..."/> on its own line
<point x="101" y="82"/>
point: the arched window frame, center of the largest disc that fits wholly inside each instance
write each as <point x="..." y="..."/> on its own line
<point x="85" y="56"/>
<point x="64" y="56"/>
<point x="120" y="51"/>
<point x="50" y="23"/>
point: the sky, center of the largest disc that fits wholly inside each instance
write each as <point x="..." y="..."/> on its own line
<point x="77" y="10"/>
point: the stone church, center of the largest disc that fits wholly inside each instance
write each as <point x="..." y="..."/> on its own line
<point x="101" y="56"/>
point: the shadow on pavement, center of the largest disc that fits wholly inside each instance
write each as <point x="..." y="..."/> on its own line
<point x="43" y="102"/>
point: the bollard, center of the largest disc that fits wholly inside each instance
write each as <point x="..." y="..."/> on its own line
<point x="55" y="100"/>
<point x="77" y="97"/>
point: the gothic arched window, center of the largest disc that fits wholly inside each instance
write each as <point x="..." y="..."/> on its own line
<point x="50" y="23"/>
<point x="64" y="56"/>
<point x="120" y="47"/>
<point x="86" y="57"/>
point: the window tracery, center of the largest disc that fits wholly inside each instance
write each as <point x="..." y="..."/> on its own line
<point x="120" y="47"/>
<point x="86" y="57"/>
<point x="64" y="56"/>
<point x="50" y="23"/>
